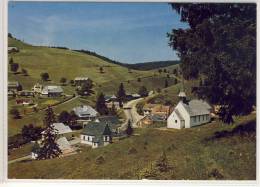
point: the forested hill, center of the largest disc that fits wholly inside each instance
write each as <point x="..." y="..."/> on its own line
<point x="152" y="65"/>
<point x="137" y="66"/>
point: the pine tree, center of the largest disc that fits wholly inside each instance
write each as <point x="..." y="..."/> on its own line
<point x="11" y="61"/>
<point x="49" y="148"/>
<point x="121" y="95"/>
<point x="162" y="163"/>
<point x="101" y="105"/>
<point x="143" y="91"/>
<point x="129" y="129"/>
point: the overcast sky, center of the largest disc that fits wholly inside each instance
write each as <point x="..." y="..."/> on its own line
<point x="127" y="32"/>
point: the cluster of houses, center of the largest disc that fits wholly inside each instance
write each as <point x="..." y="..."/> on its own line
<point x="186" y="114"/>
<point x="154" y="113"/>
<point x="97" y="131"/>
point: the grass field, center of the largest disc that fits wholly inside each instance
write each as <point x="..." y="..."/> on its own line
<point x="196" y="153"/>
<point x="70" y="64"/>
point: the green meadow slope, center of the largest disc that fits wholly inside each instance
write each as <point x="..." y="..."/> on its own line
<point x="213" y="151"/>
<point x="66" y="63"/>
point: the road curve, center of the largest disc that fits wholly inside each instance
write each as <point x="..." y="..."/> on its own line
<point x="131" y="113"/>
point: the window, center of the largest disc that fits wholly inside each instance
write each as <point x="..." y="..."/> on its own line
<point x="176" y="121"/>
<point x="194" y="119"/>
<point x="88" y="138"/>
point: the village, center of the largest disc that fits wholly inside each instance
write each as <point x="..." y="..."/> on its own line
<point x="97" y="130"/>
<point x="143" y="91"/>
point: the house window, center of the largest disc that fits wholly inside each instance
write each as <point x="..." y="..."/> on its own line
<point x="88" y="138"/>
<point x="176" y="121"/>
<point x="194" y="119"/>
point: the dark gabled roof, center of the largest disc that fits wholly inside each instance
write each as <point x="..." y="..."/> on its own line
<point x="109" y="119"/>
<point x="94" y="128"/>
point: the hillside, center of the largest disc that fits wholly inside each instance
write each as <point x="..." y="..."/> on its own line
<point x="59" y="62"/>
<point x="70" y="64"/>
<point x="214" y="151"/>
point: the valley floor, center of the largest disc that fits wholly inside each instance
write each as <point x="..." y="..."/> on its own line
<point x="213" y="151"/>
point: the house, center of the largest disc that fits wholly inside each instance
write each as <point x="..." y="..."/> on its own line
<point x="26" y="93"/>
<point x="79" y="80"/>
<point x="37" y="88"/>
<point x="52" y="91"/>
<point x="13" y="86"/>
<point x="85" y="112"/>
<point x="65" y="146"/>
<point x="11" y="93"/>
<point x="62" y="143"/>
<point x="60" y="129"/>
<point x="136" y="96"/>
<point x="101" y="131"/>
<point x="150" y="119"/>
<point x="24" y="101"/>
<point x="189" y="113"/>
<point x="12" y="49"/>
<point x="157" y="109"/>
<point x="111" y="103"/>
<point x="110" y="98"/>
<point x="111" y="120"/>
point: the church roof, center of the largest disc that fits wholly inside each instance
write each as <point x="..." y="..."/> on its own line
<point x="197" y="107"/>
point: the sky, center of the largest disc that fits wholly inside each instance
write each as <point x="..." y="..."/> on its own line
<point x="126" y="32"/>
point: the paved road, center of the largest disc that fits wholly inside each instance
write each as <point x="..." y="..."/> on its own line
<point x="131" y="113"/>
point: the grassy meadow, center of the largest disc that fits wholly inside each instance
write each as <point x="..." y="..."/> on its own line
<point x="70" y="64"/>
<point x="214" y="151"/>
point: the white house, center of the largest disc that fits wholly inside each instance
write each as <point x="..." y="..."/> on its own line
<point x="188" y="114"/>
<point x="96" y="134"/>
<point x="62" y="143"/>
<point x="85" y="112"/>
<point x="60" y="128"/>
<point x="52" y="91"/>
<point x="37" y="88"/>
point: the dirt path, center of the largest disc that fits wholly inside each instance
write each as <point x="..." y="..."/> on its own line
<point x="131" y="113"/>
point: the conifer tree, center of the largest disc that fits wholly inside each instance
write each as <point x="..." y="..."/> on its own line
<point x="121" y="95"/>
<point x="162" y="163"/>
<point x="101" y="104"/>
<point x="129" y="129"/>
<point x="49" y="148"/>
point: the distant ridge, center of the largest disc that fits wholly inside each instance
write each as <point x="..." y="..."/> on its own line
<point x="152" y="65"/>
<point x="137" y="66"/>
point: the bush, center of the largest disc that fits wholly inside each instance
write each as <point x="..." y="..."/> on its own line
<point x="31" y="133"/>
<point x="132" y="150"/>
<point x="15" y="113"/>
<point x="162" y="163"/>
<point x="100" y="160"/>
<point x="215" y="174"/>
<point x="16" y="141"/>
